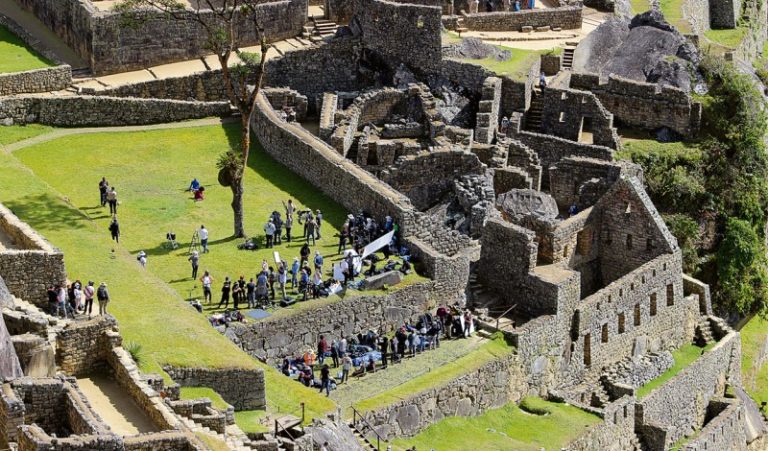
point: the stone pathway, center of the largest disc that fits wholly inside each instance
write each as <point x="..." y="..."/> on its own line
<point x="115" y="406"/>
<point x="61" y="132"/>
<point x="373" y="384"/>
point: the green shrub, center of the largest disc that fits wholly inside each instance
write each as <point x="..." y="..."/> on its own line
<point x="135" y="350"/>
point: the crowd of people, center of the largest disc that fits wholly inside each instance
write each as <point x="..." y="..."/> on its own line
<point x="69" y="300"/>
<point x="369" y="352"/>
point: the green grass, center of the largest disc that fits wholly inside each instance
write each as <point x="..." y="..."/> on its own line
<point x="250" y="420"/>
<point x="643" y="149"/>
<point x="12" y="134"/>
<point x="728" y="38"/>
<point x="204" y="392"/>
<point x="506" y="428"/>
<point x="516" y="67"/>
<point x="492" y="350"/>
<point x="150" y="170"/>
<point x="673" y="12"/>
<point x="683" y="357"/>
<point x="212" y="443"/>
<point x="640" y="6"/>
<point x="449" y="37"/>
<point x="753" y="336"/>
<point x="16" y="56"/>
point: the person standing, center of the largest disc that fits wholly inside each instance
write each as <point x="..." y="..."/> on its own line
<point x="112" y="199"/>
<point x="335" y="353"/>
<point x="304" y="253"/>
<point x="203" y="234"/>
<point x="322" y="349"/>
<point x="318" y="222"/>
<point x="282" y="279"/>
<point x="278" y="237"/>
<point x="225" y="289"/>
<point x="318" y="262"/>
<point x="251" y="291"/>
<point x="289" y="209"/>
<point x="384" y="348"/>
<point x="102" y="295"/>
<point x="288" y="227"/>
<point x="295" y="273"/>
<point x="346" y="366"/>
<point x="342" y="346"/>
<point x="142" y="258"/>
<point x="194" y="260"/>
<point x="89" y="292"/>
<point x="272" y="279"/>
<point x="269" y="231"/>
<point x="103" y="188"/>
<point x="207" y="280"/>
<point x="343" y="235"/>
<point x="114" y="229"/>
<point x="309" y="230"/>
<point x="467" y="324"/>
<point x="325" y="380"/>
<point x="61" y="300"/>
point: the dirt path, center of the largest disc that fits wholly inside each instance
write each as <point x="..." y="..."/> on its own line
<point x="60" y="132"/>
<point x="114" y="406"/>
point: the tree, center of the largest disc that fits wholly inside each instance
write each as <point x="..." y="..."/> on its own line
<point x="742" y="270"/>
<point x="219" y="19"/>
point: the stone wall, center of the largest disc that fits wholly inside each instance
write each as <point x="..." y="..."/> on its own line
<point x="567" y="18"/>
<point x="488" y="111"/>
<point x="427" y="177"/>
<point x="83" y="347"/>
<point x="615" y="432"/>
<point x="161" y="441"/>
<point x="329" y="66"/>
<point x="492" y="385"/>
<point x="724" y="13"/>
<point x="724" y="431"/>
<point x="39" y="80"/>
<point x="570" y="179"/>
<point x="29" y="270"/>
<point x="242" y="388"/>
<point x="644" y="105"/>
<point x="680" y="405"/>
<point x="110" y="46"/>
<point x="395" y="30"/>
<point x="568" y="112"/>
<point x="81" y="111"/>
<point x="204" y="86"/>
<point x="274" y="338"/>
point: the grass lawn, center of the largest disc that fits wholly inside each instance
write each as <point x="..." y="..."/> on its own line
<point x="489" y="351"/>
<point x="250" y="420"/>
<point x="753" y="336"/>
<point x="12" y="134"/>
<point x="640" y="6"/>
<point x="516" y="67"/>
<point x="728" y="38"/>
<point x="213" y="443"/>
<point x="683" y="357"/>
<point x="150" y="169"/>
<point x="507" y="428"/>
<point x="673" y="12"/>
<point x="204" y="392"/>
<point x="644" y="149"/>
<point x="16" y="56"/>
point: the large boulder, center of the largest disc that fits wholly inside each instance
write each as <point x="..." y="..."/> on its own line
<point x="520" y="203"/>
<point x="646" y="49"/>
<point x="10" y="368"/>
<point x="389" y="278"/>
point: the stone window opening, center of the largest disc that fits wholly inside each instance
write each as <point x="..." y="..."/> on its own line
<point x="587" y="350"/>
<point x="637" y="315"/>
<point x="604" y="333"/>
<point x="565" y="252"/>
<point x="670" y="295"/>
<point x="632" y="286"/>
<point x="564" y="96"/>
<point x="653" y="304"/>
<point x="649" y="246"/>
<point x="621" y="323"/>
<point x="609" y="298"/>
<point x="629" y="242"/>
<point x="607" y="237"/>
<point x="643" y="279"/>
<point x="621" y="292"/>
<point x="583" y="241"/>
<point x="562" y="116"/>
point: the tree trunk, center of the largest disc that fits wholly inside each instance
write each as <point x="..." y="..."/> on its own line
<point x="237" y="206"/>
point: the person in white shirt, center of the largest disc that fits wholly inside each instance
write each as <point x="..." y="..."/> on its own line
<point x="203" y="233"/>
<point x="207" y="280"/>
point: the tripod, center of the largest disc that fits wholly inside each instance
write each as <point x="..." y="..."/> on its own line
<point x="194" y="245"/>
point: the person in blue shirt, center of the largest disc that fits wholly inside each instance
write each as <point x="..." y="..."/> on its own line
<point x="318" y="262"/>
<point x="195" y="185"/>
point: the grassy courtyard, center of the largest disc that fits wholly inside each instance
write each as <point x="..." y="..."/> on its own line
<point x="53" y="186"/>
<point x="16" y="56"/>
<point x="754" y="369"/>
<point x="684" y="356"/>
<point x="552" y="426"/>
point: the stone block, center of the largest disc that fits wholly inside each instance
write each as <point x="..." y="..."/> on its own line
<point x="390" y="278"/>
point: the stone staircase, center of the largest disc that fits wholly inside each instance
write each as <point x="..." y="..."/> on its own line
<point x="568" y="57"/>
<point x="533" y="115"/>
<point x="361" y="438"/>
<point x="704" y="334"/>
<point x="588" y="393"/>
<point x="319" y="28"/>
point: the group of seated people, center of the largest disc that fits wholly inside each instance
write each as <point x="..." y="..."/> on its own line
<point x="197" y="190"/>
<point x="224" y="318"/>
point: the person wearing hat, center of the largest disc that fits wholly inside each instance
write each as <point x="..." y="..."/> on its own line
<point x="194" y="259"/>
<point x="318" y="222"/>
<point x="103" y="296"/>
<point x="114" y="229"/>
<point x="89" y="291"/>
<point x="295" y="272"/>
<point x="343" y="235"/>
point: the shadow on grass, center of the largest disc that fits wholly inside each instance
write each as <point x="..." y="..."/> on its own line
<point x="301" y="191"/>
<point x="48" y="212"/>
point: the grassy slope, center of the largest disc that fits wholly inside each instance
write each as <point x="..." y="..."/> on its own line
<point x="516" y="67"/>
<point x="644" y="148"/>
<point x="150" y="312"/>
<point x="12" y="134"/>
<point x="728" y="38"/>
<point x="753" y="336"/>
<point x="506" y="428"/>
<point x="16" y="56"/>
<point x="684" y="356"/>
<point x="673" y="12"/>
<point x="486" y="353"/>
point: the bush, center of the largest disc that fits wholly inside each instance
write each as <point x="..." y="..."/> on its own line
<point x="686" y="230"/>
<point x="135" y="350"/>
<point x="741" y="269"/>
